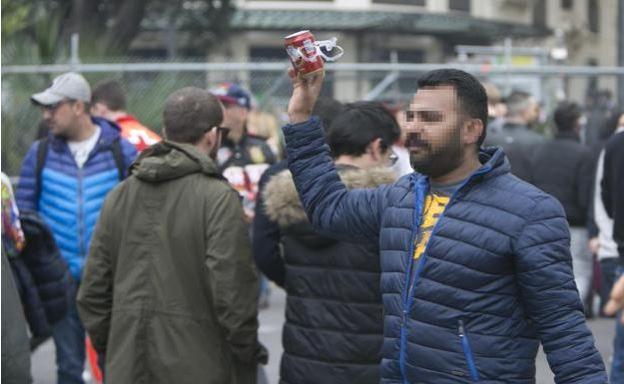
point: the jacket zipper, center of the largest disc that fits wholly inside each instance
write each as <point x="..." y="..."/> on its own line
<point x="463" y="337"/>
<point x="415" y="225"/>
<point x="413" y="281"/>
<point x="80" y="214"/>
<point x="81" y="209"/>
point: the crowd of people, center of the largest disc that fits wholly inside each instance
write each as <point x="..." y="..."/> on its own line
<point x="439" y="242"/>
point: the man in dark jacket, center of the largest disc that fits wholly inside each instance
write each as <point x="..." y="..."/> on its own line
<point x="15" y="345"/>
<point x="266" y="234"/>
<point x="169" y="293"/>
<point x="243" y="157"/>
<point x="516" y="137"/>
<point x="613" y="188"/>
<point x="612" y="192"/>
<point x="334" y="316"/>
<point x="476" y="268"/>
<point x="65" y="178"/>
<point x="563" y="168"/>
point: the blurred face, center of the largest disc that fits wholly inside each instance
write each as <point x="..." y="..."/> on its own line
<point x="433" y="125"/>
<point x="621" y="121"/>
<point x="99" y="110"/>
<point x="532" y="113"/>
<point x="235" y="117"/>
<point x="216" y="136"/>
<point x="61" y="118"/>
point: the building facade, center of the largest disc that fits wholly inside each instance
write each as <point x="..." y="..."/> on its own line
<point x="410" y="31"/>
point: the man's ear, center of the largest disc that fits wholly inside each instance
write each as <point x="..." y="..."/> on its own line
<point x="473" y="128"/>
<point x="79" y="108"/>
<point x="374" y="148"/>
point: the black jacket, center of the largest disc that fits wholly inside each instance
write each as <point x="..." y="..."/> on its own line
<point x="250" y="150"/>
<point x="564" y="168"/>
<point x="266" y="233"/>
<point x="42" y="277"/>
<point x="334" y="316"/>
<point x="613" y="188"/>
<point x="519" y="144"/>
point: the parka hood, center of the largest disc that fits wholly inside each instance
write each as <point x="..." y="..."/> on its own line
<point x="168" y="160"/>
<point x="283" y="206"/>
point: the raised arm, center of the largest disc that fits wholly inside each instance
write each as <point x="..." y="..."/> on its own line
<point x="333" y="210"/>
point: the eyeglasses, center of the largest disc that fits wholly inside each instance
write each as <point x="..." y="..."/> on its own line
<point x="393" y="157"/>
<point x="223" y="131"/>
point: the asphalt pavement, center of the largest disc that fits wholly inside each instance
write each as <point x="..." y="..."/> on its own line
<point x="271" y="320"/>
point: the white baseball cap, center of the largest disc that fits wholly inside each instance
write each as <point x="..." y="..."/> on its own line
<point x="69" y="85"/>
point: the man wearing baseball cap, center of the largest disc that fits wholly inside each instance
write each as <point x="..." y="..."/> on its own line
<point x="242" y="157"/>
<point x="65" y="178"/>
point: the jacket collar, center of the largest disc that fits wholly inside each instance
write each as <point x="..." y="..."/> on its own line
<point x="493" y="163"/>
<point x="568" y="135"/>
<point x="109" y="132"/>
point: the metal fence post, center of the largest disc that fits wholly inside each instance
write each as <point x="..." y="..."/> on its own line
<point x="74" y="59"/>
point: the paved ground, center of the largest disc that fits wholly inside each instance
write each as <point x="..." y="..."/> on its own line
<point x="270" y="334"/>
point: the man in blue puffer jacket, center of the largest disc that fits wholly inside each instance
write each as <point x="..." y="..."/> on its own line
<point x="65" y="178"/>
<point x="476" y="267"/>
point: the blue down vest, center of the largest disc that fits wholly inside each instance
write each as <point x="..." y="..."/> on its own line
<point x="495" y="279"/>
<point x="71" y="197"/>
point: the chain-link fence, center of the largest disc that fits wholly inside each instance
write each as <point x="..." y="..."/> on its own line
<point x="148" y="84"/>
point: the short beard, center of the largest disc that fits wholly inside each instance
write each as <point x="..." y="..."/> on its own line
<point x="442" y="160"/>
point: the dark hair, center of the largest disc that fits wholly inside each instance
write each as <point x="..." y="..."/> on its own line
<point x="471" y="95"/>
<point x="611" y="123"/>
<point x="109" y="93"/>
<point x="517" y="102"/>
<point x="566" y="116"/>
<point x="359" y="124"/>
<point x="327" y="108"/>
<point x="189" y="113"/>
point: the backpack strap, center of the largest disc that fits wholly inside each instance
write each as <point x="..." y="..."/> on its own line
<point x="42" y="151"/>
<point x="118" y="157"/>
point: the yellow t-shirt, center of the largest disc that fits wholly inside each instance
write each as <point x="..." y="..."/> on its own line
<point x="434" y="206"/>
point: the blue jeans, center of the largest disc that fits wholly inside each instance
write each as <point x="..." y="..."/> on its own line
<point x="69" y="339"/>
<point x="617" y="366"/>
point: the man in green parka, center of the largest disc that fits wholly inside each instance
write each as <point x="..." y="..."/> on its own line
<point x="169" y="291"/>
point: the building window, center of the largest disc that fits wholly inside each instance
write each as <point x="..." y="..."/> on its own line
<point x="593" y="15"/>
<point x="459" y="5"/>
<point x="567" y="4"/>
<point x="539" y="14"/>
<point x="420" y="3"/>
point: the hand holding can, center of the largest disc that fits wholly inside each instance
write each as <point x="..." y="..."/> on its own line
<point x="306" y="54"/>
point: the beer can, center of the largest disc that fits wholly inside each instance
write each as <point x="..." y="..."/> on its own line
<point x="302" y="50"/>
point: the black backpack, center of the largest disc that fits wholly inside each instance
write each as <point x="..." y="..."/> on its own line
<point x="42" y="152"/>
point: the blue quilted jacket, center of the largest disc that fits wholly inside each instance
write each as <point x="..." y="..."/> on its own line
<point x="71" y="198"/>
<point x="495" y="279"/>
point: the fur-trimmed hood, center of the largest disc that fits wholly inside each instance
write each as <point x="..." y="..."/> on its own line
<point x="282" y="202"/>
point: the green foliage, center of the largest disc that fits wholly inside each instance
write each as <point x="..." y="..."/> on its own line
<point x="14" y="18"/>
<point x="38" y="32"/>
